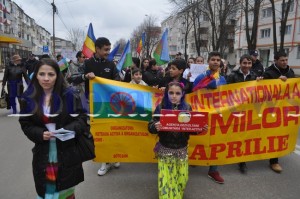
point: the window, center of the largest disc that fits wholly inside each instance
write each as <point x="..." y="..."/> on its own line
<point x="292" y="5"/>
<point x="267" y="12"/>
<point x="288" y="29"/>
<point x="298" y="52"/>
<point x="287" y="51"/>
<point x="265" y="33"/>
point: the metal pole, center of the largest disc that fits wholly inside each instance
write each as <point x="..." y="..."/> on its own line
<point x="53" y="38"/>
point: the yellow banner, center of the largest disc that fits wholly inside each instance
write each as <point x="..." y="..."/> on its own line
<point x="247" y="121"/>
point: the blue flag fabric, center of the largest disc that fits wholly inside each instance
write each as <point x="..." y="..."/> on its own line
<point x="126" y="58"/>
<point x="113" y="53"/>
<point x="143" y="38"/>
<point x="165" y="48"/>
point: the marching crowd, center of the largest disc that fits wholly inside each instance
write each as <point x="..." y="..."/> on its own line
<point x="48" y="99"/>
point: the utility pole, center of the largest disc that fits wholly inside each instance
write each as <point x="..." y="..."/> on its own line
<point x="53" y="38"/>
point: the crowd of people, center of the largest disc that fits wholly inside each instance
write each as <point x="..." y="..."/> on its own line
<point x="51" y="96"/>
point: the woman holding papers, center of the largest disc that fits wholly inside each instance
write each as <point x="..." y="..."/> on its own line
<point x="172" y="148"/>
<point x="48" y="105"/>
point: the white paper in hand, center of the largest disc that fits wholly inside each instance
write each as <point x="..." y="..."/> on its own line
<point x="63" y="134"/>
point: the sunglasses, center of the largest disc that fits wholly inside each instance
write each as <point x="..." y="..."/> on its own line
<point x="176" y="93"/>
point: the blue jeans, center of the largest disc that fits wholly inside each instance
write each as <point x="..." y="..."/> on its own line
<point x="212" y="168"/>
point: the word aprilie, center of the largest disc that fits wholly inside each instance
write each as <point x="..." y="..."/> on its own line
<point x="241" y="148"/>
<point x="245" y="95"/>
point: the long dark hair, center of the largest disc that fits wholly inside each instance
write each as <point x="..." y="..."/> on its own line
<point x="166" y="103"/>
<point x="35" y="93"/>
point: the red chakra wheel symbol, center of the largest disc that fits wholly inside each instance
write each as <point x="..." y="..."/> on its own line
<point x="122" y="103"/>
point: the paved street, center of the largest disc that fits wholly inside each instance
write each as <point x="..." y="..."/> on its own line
<point x="139" y="181"/>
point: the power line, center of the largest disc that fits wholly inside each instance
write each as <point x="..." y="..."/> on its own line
<point x="59" y="16"/>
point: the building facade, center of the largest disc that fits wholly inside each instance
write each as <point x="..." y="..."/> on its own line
<point x="16" y="24"/>
<point x="237" y="42"/>
<point x="265" y="34"/>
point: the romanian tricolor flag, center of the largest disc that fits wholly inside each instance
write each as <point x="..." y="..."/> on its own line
<point x="161" y="53"/>
<point x="88" y="48"/>
<point x="141" y="43"/>
<point x="63" y="64"/>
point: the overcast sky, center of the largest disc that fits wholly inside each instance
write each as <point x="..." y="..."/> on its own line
<point x="113" y="19"/>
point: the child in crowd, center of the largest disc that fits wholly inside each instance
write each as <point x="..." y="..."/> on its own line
<point x="176" y="70"/>
<point x="136" y="77"/>
<point x="172" y="148"/>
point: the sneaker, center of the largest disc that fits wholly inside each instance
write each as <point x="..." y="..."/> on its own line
<point x="215" y="176"/>
<point x="276" y="167"/>
<point x="242" y="167"/>
<point x="116" y="165"/>
<point x="105" y="167"/>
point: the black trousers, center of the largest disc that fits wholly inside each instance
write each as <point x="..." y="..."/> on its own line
<point x="274" y="161"/>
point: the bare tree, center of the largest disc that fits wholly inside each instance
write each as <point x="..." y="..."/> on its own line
<point x="221" y="15"/>
<point x="285" y="9"/>
<point x="189" y="12"/>
<point x="77" y="37"/>
<point x="122" y="43"/>
<point x="251" y="29"/>
<point x="152" y="31"/>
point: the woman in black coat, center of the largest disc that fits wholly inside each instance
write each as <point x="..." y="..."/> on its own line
<point x="48" y="105"/>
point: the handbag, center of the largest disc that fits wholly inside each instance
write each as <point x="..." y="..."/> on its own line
<point x="86" y="146"/>
<point x="3" y="99"/>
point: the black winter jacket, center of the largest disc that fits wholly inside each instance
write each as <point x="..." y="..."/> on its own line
<point x="257" y="68"/>
<point x="152" y="77"/>
<point x="101" y="68"/>
<point x="173" y="140"/>
<point x="71" y="117"/>
<point x="273" y="72"/>
<point x="237" y="76"/>
<point x="14" y="72"/>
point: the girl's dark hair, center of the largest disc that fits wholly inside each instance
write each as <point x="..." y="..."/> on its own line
<point x="35" y="92"/>
<point x="142" y="64"/>
<point x="166" y="104"/>
<point x="136" y="61"/>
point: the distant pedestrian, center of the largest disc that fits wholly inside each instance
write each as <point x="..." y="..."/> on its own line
<point x="153" y="75"/>
<point x="257" y="66"/>
<point x="48" y="105"/>
<point x="172" y="148"/>
<point x="30" y="64"/>
<point x="13" y="76"/>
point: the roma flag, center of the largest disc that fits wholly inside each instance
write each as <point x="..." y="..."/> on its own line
<point x="161" y="53"/>
<point x="88" y="47"/>
<point x="63" y="64"/>
<point x="126" y="58"/>
<point x="141" y="43"/>
<point x="118" y="108"/>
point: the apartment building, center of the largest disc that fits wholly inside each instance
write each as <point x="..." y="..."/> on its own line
<point x="265" y="34"/>
<point x="16" y="24"/>
<point x="181" y="36"/>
